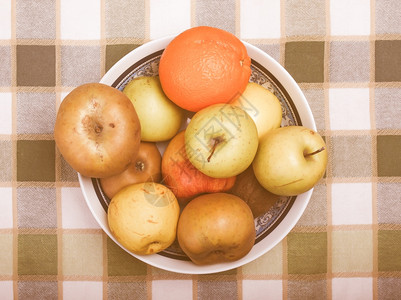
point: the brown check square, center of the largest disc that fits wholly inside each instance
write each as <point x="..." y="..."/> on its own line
<point x="37" y="290"/>
<point x="127" y="290"/>
<point x="305" y="61"/>
<point x="115" y="52"/>
<point x="36" y="160"/>
<point x="388" y="60"/>
<point x="388" y="155"/>
<point x="389" y="250"/>
<point x="305" y="289"/>
<point x="36" y="65"/>
<point x="37" y="254"/>
<point x="307" y="253"/>
<point x="120" y="263"/>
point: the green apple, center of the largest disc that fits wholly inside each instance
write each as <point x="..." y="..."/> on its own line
<point x="290" y="160"/>
<point x="160" y="118"/>
<point x="263" y="107"/>
<point x="221" y="140"/>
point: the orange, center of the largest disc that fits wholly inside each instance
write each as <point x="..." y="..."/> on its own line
<point x="204" y="66"/>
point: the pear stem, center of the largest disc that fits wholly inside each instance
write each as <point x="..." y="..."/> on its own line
<point x="216" y="141"/>
<point x="314" y="152"/>
<point x="98" y="128"/>
<point x="139" y="166"/>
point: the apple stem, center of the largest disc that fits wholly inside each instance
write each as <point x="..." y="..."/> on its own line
<point x="314" y="152"/>
<point x="216" y="141"/>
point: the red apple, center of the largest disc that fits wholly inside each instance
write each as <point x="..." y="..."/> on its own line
<point x="248" y="188"/>
<point x="183" y="178"/>
<point x="145" y="167"/>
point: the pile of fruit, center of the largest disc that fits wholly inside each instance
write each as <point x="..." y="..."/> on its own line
<point x="218" y="127"/>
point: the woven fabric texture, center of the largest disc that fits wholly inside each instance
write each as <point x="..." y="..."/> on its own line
<point x="346" y="57"/>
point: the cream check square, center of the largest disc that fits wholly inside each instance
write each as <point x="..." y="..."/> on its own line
<point x="6" y="65"/>
<point x="82" y="290"/>
<point x="6" y="113"/>
<point x="124" y="20"/>
<point x="272" y="49"/>
<point x="5" y="20"/>
<point x="351" y="203"/>
<point x="214" y="17"/>
<point x="6" y="207"/>
<point x="388" y="202"/>
<point x="82" y="254"/>
<point x="349" y="109"/>
<point x="350" y="17"/>
<point x="352" y="288"/>
<point x="349" y="61"/>
<point x="74" y="211"/>
<point x="35" y="113"/>
<point x="259" y="289"/>
<point x="171" y="289"/>
<point x="316" y="102"/>
<point x="6" y="257"/>
<point x="315" y="213"/>
<point x="80" y="20"/>
<point x="36" y="21"/>
<point x="388" y="107"/>
<point x="352" y="251"/>
<point x="305" y="18"/>
<point x="7" y="290"/>
<point x="269" y="263"/>
<point x="80" y="64"/>
<point x="351" y="155"/>
<point x="169" y="17"/>
<point x="260" y="19"/>
<point x="63" y="95"/>
<point x="34" y="202"/>
<point x="388" y="16"/>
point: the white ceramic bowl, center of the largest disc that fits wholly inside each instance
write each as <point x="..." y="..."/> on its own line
<point x="271" y="227"/>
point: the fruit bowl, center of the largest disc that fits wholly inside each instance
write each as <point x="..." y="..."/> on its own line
<point x="274" y="224"/>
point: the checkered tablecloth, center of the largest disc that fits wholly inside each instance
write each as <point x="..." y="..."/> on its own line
<point x="346" y="57"/>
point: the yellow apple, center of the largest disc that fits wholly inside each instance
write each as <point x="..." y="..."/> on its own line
<point x="290" y="160"/>
<point x="216" y="227"/>
<point x="160" y="118"/>
<point x="262" y="106"/>
<point x="143" y="217"/>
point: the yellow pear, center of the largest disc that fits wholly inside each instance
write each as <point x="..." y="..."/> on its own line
<point x="143" y="217"/>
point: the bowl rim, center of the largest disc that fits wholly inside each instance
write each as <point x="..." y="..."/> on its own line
<point x="268" y="242"/>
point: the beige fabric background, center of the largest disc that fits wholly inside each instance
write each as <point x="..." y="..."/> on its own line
<point x="346" y="57"/>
